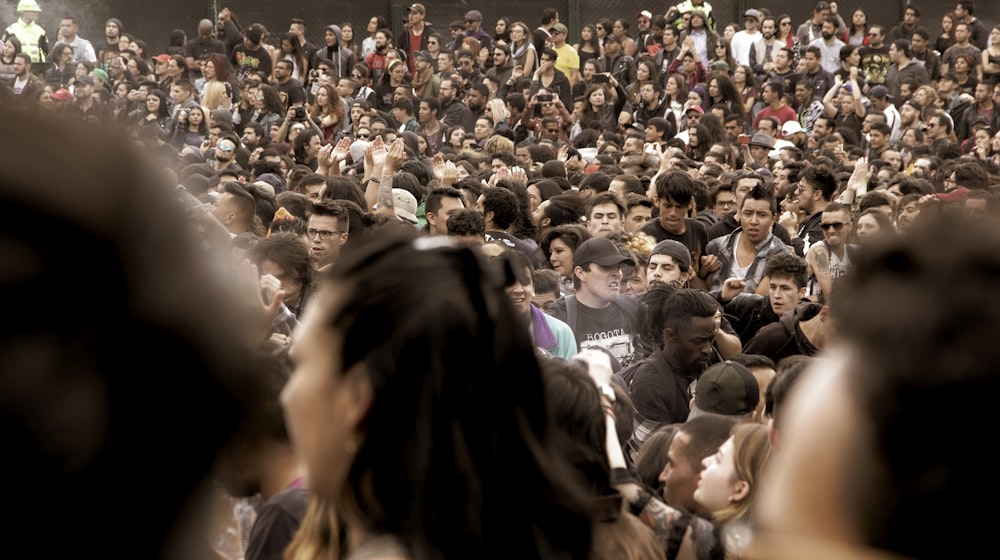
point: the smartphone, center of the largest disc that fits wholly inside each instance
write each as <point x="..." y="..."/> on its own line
<point x="743" y="139"/>
<point x="600" y="79"/>
<point x="545" y="97"/>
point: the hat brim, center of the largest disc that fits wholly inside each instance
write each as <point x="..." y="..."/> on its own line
<point x="612" y="260"/>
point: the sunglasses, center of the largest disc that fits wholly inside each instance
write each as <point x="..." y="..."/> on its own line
<point x="837" y="226"/>
<point x="225" y="147"/>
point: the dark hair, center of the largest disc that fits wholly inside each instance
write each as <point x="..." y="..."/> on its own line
<point x="467" y="221"/>
<point x="788" y="265"/>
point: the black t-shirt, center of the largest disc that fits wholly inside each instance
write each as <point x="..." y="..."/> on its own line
<point x="695" y="236"/>
<point x="248" y="62"/>
<point x="291" y="92"/>
<point x="612" y="328"/>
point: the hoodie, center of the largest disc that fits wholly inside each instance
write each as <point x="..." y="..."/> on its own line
<point x="342" y="60"/>
<point x="785" y="338"/>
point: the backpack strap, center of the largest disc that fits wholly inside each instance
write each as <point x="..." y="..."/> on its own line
<point x="571" y="312"/>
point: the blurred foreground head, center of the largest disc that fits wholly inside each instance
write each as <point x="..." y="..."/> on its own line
<point x="121" y="363"/>
<point x="885" y="440"/>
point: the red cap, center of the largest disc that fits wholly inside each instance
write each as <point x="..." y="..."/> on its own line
<point x="162" y="57"/>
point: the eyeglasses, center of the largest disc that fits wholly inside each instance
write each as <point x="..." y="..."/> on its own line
<point x="356" y="76"/>
<point x="837" y="226"/>
<point x="324" y="234"/>
<point x="225" y="147"/>
<point x="364" y="136"/>
<point x="785" y="23"/>
<point x="725" y="203"/>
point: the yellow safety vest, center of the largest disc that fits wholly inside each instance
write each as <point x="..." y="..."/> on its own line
<point x="30" y="35"/>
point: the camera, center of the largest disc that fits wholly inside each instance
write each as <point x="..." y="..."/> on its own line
<point x="300" y="113"/>
<point x="600" y="78"/>
<point x="544" y="97"/>
<point x="314" y="74"/>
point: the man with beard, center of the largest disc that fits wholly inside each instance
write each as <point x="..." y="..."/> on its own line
<point x="341" y="60"/>
<point x="112" y="33"/>
<point x="763" y="52"/>
<point x="829" y="46"/>
<point x="376" y="61"/>
<point x="453" y="112"/>
<point x="225" y="154"/>
<point x="743" y="253"/>
<point x="816" y="188"/>
<point x="426" y="84"/>
<point x="903" y="68"/>
<point x="830" y="259"/>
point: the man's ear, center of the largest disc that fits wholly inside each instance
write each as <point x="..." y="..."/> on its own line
<point x="578" y="272"/>
<point x="546" y="222"/>
<point x="343" y="238"/>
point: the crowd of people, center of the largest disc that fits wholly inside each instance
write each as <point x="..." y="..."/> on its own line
<point x="684" y="289"/>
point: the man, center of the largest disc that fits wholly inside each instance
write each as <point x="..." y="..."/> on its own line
<point x="979" y="35"/>
<point x="475" y="99"/>
<point x="559" y="84"/>
<point x="327" y="231"/>
<point x="427" y="115"/>
<point x="875" y="56"/>
<point x="474" y="28"/>
<point x="742" y="253"/>
<point x="550" y="335"/>
<point x="783" y="70"/>
<point x="930" y="57"/>
<point x="809" y="107"/>
<point x="440" y="204"/>
<point x="881" y="99"/>
<point x="34" y="43"/>
<point x="659" y="130"/>
<point x="963" y="46"/>
<point x="669" y="51"/>
<point x="235" y="208"/>
<point x="541" y="37"/>
<point x="773" y="96"/>
<point x="499" y="208"/>
<point x="290" y="90"/>
<point x="674" y="199"/>
<point x="598" y="314"/>
<point x="446" y="63"/>
<point x="658" y="384"/>
<point x="678" y="15"/>
<point x="669" y="263"/>
<point x="250" y="59"/>
<point x="743" y="41"/>
<point x="568" y="60"/>
<point x="651" y="103"/>
<point x="83" y="50"/>
<point x="816" y="188"/>
<point x="376" y="60"/>
<point x="829" y="45"/>
<point x="503" y="65"/>
<point x="830" y="259"/>
<point x="822" y="80"/>
<point x="297" y="27"/>
<point x="909" y="116"/>
<point x="878" y="141"/>
<point x="644" y="37"/>
<point x="341" y="60"/>
<point x="938" y="127"/>
<point x="182" y="95"/>
<point x="453" y="112"/>
<point x="904" y="68"/>
<point x="763" y="52"/>
<point x="785" y="274"/>
<point x="402" y="111"/>
<point x="25" y="83"/>
<point x="906" y="28"/>
<point x="204" y="44"/>
<point x="415" y="34"/>
<point x="113" y="30"/>
<point x="86" y="107"/>
<point x="604" y="214"/>
<point x="615" y="61"/>
<point x="983" y="107"/>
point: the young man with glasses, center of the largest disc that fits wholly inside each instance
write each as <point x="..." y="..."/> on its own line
<point x="327" y="232"/>
<point x="830" y="259"/>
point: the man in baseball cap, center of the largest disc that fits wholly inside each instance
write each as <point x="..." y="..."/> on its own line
<point x="598" y="314"/>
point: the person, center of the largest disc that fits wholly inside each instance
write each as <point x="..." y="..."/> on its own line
<point x="905" y="323"/>
<point x="204" y="44"/>
<point x="250" y="59"/>
<point x="82" y="49"/>
<point x="830" y="259"/>
<point x="805" y="330"/>
<point x="158" y="291"/>
<point x="597" y="312"/>
<point x="698" y="438"/>
<point x="32" y="36"/>
<point x="674" y="198"/>
<point x="328" y="231"/>
<point x="487" y="446"/>
<point x="731" y="481"/>
<point x="340" y="58"/>
<point x="946" y="38"/>
<point x="786" y="275"/>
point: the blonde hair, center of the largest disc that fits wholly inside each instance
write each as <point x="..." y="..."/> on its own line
<point x="497" y="143"/>
<point x="215" y="96"/>
<point x="751" y="451"/>
<point x="499" y="109"/>
<point x="318" y="536"/>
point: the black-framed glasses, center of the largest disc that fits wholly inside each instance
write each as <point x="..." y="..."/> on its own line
<point x="324" y="234"/>
<point x="836" y="226"/>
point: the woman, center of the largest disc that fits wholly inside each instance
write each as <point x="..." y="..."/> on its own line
<point x="153" y="114"/>
<point x="929" y="99"/>
<point x="394" y="75"/>
<point x="722" y="90"/>
<point x="305" y="148"/>
<point x="962" y="69"/>
<point x="191" y="128"/>
<point x="177" y="69"/>
<point x="723" y="53"/>
<point x="785" y="34"/>
<point x="286" y="259"/>
<point x="347" y="39"/>
<point x="434" y="44"/>
<point x="857" y="33"/>
<point x="730" y="482"/>
<point x="558" y="245"/>
<point x="140" y="70"/>
<point x="328" y="112"/>
<point x="482" y="130"/>
<point x="291" y="50"/>
<point x="540" y="191"/>
<point x="746" y="85"/>
<point x="675" y="95"/>
<point x="496" y="110"/>
<point x="268" y="109"/>
<point x="61" y="73"/>
<point x="645" y="69"/>
<point x="11" y="48"/>
<point x="873" y="224"/>
<point x="729" y="30"/>
<point x="588" y="70"/>
<point x="601" y="107"/>
<point x="414" y="471"/>
<point x="947" y="36"/>
<point x="453" y="139"/>
<point x="698" y="142"/>
<point x="602" y="28"/>
<point x="502" y="31"/>
<point x="589" y="46"/>
<point x="216" y="71"/>
<point x="991" y="57"/>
